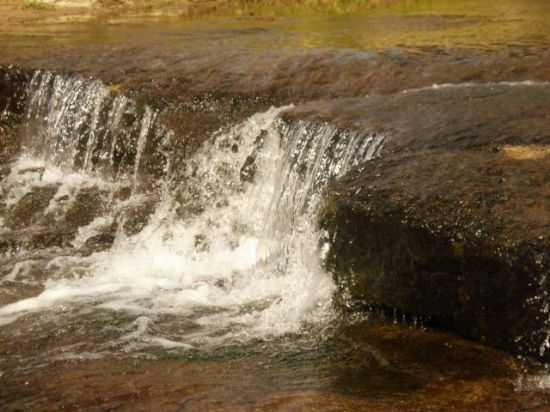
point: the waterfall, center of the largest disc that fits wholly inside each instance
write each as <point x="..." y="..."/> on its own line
<point x="231" y="252"/>
<point x="86" y="125"/>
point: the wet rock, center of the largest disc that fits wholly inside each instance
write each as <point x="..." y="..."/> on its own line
<point x="409" y="232"/>
<point x="5" y="170"/>
<point x="29" y="208"/>
<point x="203" y="90"/>
<point x="9" y="145"/>
<point x="99" y="242"/>
<point x="13" y="95"/>
<point x="452" y="222"/>
<point x="35" y="238"/>
<point x="13" y="81"/>
<point x="249" y="168"/>
<point x="133" y="216"/>
<point x="87" y="205"/>
<point x="368" y="367"/>
<point x="123" y="193"/>
<point x="199" y="78"/>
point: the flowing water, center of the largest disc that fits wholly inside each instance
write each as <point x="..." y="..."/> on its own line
<point x="202" y="280"/>
<point x="405" y="24"/>
<point x="229" y="253"/>
<point x="134" y="278"/>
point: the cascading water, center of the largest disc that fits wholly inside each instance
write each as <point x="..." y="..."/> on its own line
<point x="231" y="251"/>
<point x="84" y="125"/>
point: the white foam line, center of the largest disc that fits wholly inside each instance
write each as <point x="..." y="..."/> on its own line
<point x="436" y="86"/>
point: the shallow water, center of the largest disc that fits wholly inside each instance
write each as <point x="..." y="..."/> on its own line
<point x="366" y="365"/>
<point x="215" y="297"/>
<point x="409" y="25"/>
<point x="219" y="299"/>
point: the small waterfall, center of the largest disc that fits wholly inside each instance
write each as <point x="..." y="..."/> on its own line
<point x="232" y="250"/>
<point x="85" y="125"/>
<point x="314" y="154"/>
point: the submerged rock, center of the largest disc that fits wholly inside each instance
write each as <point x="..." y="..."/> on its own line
<point x="87" y="205"/>
<point x="29" y="208"/>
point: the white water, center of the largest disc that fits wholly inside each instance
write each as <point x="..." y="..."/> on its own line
<point x="223" y="258"/>
<point x="464" y="85"/>
<point x="86" y="125"/>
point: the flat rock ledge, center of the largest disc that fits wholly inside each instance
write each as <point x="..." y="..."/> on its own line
<point x="452" y="222"/>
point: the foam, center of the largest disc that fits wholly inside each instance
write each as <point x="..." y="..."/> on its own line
<point x="246" y="266"/>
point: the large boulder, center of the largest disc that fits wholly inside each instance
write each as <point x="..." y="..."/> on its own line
<point x="452" y="222"/>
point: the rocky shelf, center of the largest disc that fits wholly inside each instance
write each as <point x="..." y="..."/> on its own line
<point x="450" y="223"/>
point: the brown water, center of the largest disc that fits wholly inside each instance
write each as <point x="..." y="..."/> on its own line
<point x="368" y="366"/>
<point x="363" y="365"/>
<point x="137" y="329"/>
<point x="412" y="24"/>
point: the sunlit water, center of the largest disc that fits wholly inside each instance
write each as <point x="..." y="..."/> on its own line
<point x="229" y="263"/>
<point x="223" y="283"/>
<point x="407" y="24"/>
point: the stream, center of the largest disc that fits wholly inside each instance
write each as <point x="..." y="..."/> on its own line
<point x="137" y="273"/>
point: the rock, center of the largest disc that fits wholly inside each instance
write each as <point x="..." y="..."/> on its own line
<point x="87" y="205"/>
<point x="12" y="106"/>
<point x="464" y="245"/>
<point x="134" y="215"/>
<point x="99" y="242"/>
<point x="29" y="208"/>
<point x="13" y="83"/>
<point x="452" y="222"/>
<point x="249" y="169"/>
<point x="35" y="238"/>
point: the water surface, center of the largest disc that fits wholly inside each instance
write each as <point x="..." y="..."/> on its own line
<point x="412" y="25"/>
<point x="216" y="297"/>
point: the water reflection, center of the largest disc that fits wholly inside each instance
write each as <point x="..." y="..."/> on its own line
<point x="407" y="24"/>
<point x="368" y="365"/>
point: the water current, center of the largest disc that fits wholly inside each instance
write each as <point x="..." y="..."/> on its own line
<point x="230" y="251"/>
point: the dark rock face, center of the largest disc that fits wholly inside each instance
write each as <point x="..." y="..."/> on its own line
<point x="383" y="262"/>
<point x="30" y="207"/>
<point x="132" y="218"/>
<point x="87" y="205"/>
<point x="12" y="107"/>
<point x="452" y="222"/>
<point x="12" y="91"/>
<point x="201" y="90"/>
